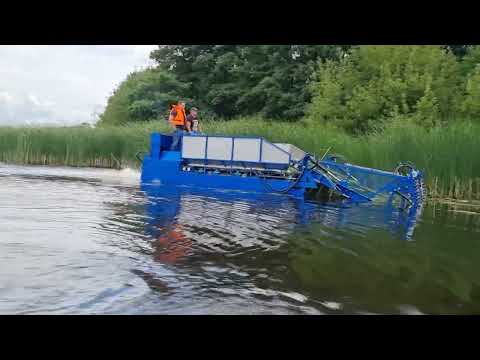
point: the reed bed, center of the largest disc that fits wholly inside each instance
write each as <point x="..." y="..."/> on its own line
<point x="102" y="147"/>
<point x="449" y="156"/>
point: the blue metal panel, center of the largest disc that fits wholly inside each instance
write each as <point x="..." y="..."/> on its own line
<point x="363" y="169"/>
<point x="155" y="145"/>
<point x="170" y="173"/>
<point x="170" y="156"/>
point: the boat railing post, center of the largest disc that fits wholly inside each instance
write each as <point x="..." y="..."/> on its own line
<point x="261" y="148"/>
<point x="231" y="157"/>
<point x="205" y="157"/>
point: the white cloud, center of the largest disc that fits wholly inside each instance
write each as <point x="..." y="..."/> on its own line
<point x="5" y="97"/>
<point x="62" y="84"/>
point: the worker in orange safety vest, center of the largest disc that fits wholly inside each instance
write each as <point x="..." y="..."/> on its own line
<point x="178" y="119"/>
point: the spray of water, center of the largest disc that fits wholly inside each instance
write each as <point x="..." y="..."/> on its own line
<point x="125" y="176"/>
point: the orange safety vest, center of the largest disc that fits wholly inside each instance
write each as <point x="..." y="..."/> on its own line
<point x="180" y="118"/>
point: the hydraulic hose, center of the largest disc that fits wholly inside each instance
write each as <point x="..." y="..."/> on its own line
<point x="292" y="185"/>
<point x="289" y="187"/>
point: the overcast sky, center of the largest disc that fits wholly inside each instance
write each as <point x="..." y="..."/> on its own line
<point x="62" y="85"/>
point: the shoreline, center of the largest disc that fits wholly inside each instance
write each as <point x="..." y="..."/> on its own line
<point x="444" y="200"/>
<point x="446" y="154"/>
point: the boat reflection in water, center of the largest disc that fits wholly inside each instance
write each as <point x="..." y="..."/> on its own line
<point x="332" y="257"/>
<point x="185" y="223"/>
<point x="226" y="251"/>
<point x="184" y="220"/>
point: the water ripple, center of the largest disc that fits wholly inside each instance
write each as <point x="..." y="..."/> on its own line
<point x="92" y="241"/>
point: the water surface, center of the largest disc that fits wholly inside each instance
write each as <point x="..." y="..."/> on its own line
<point x="90" y="241"/>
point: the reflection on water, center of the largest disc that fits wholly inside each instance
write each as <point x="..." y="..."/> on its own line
<point x="93" y="241"/>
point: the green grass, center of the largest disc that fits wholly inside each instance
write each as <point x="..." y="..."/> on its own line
<point x="103" y="147"/>
<point x="449" y="155"/>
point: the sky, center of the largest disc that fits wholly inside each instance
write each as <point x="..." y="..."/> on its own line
<point x="63" y="84"/>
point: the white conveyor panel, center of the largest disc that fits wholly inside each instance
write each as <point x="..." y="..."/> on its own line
<point x="219" y="148"/>
<point x="193" y="147"/>
<point x="296" y="153"/>
<point x="246" y="149"/>
<point x="225" y="148"/>
<point x="273" y="154"/>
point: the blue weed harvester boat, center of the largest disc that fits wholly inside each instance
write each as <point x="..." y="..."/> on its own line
<point x="254" y="164"/>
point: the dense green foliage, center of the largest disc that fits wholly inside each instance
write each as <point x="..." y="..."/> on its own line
<point x="358" y="88"/>
<point x="223" y="80"/>
<point x="234" y="80"/>
<point x="458" y="50"/>
<point x="448" y="155"/>
<point x="377" y="84"/>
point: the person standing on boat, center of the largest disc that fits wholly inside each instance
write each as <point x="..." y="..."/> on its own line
<point x="178" y="119"/>
<point x="192" y="120"/>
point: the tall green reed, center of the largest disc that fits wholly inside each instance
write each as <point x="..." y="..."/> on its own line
<point x="449" y="156"/>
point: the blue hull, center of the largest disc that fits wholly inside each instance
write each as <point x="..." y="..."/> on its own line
<point x="168" y="171"/>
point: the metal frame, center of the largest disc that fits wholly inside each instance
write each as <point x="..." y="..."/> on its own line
<point x="233" y="147"/>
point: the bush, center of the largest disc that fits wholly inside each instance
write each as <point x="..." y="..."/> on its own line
<point x="376" y="83"/>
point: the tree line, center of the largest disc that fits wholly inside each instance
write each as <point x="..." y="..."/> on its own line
<point x="354" y="87"/>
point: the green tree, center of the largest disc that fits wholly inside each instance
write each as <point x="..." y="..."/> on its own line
<point x="471" y="59"/>
<point x="470" y="107"/>
<point x="144" y="95"/>
<point x="232" y="80"/>
<point x="458" y="50"/>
